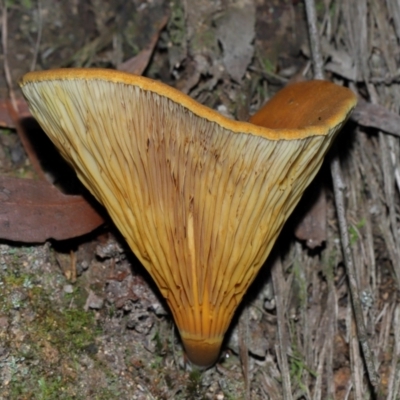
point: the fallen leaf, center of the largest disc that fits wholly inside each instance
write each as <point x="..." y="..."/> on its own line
<point x="312" y="227"/>
<point x="35" y="211"/>
<point x="236" y="34"/>
<point x="340" y="62"/>
<point x="6" y="119"/>
<point x="137" y="65"/>
<point x="376" y="116"/>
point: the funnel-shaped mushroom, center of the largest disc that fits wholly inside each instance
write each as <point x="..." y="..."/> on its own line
<point x="199" y="198"/>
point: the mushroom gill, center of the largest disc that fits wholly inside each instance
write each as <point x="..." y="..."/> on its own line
<point x="199" y="198"/>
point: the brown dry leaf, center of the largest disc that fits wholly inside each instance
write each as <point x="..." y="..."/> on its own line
<point x="279" y="33"/>
<point x="137" y="65"/>
<point x="312" y="227"/>
<point x="34" y="211"/>
<point x="203" y="53"/>
<point x="236" y="33"/>
<point x="340" y="62"/>
<point x="376" y="116"/>
<point x="342" y="380"/>
<point x="6" y="120"/>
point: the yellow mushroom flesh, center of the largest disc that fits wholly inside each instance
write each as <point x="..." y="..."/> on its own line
<point x="199" y="198"/>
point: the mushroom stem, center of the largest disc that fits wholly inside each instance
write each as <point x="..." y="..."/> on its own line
<point x="201" y="351"/>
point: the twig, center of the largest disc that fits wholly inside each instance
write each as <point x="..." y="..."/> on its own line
<point x="338" y="187"/>
<point x="318" y="62"/>
<point x="4" y="42"/>
<point x="13" y="107"/>
<point x="332" y="313"/>
<point x="39" y="36"/>
<point x="389" y="176"/>
<point x="244" y="350"/>
<point x="320" y="370"/>
<point x="283" y="348"/>
<point x="390" y="195"/>
<point x="357" y="369"/>
<point x="394" y="382"/>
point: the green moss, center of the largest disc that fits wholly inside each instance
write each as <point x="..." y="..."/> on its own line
<point x="354" y="231"/>
<point x="24" y="3"/>
<point x="157" y="363"/>
<point x="158" y="342"/>
<point x="69" y="331"/>
<point x="194" y="387"/>
<point x="176" y="24"/>
<point x="298" y="367"/>
<point x="204" y="40"/>
<point x="268" y="65"/>
<point x="45" y="349"/>
<point x="6" y="131"/>
<point x="49" y="388"/>
<point x="300" y="284"/>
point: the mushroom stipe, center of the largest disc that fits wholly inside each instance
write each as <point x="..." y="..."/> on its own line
<point x="199" y="198"/>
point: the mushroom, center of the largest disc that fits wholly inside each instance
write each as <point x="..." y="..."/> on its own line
<point x="199" y="198"/>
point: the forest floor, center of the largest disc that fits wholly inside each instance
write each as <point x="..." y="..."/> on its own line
<point x="82" y="319"/>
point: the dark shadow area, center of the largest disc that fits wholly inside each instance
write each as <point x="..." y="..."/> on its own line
<point x="59" y="171"/>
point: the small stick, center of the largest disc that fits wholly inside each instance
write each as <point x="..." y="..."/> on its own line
<point x="4" y="40"/>
<point x="283" y="348"/>
<point x="12" y="105"/>
<point x="338" y="187"/>
<point x="318" y="62"/>
<point x="244" y="350"/>
<point x="39" y="36"/>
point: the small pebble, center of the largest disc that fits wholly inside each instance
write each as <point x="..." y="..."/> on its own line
<point x="68" y="289"/>
<point x="94" y="302"/>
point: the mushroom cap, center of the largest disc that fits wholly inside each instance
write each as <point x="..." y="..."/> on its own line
<point x="199" y="198"/>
